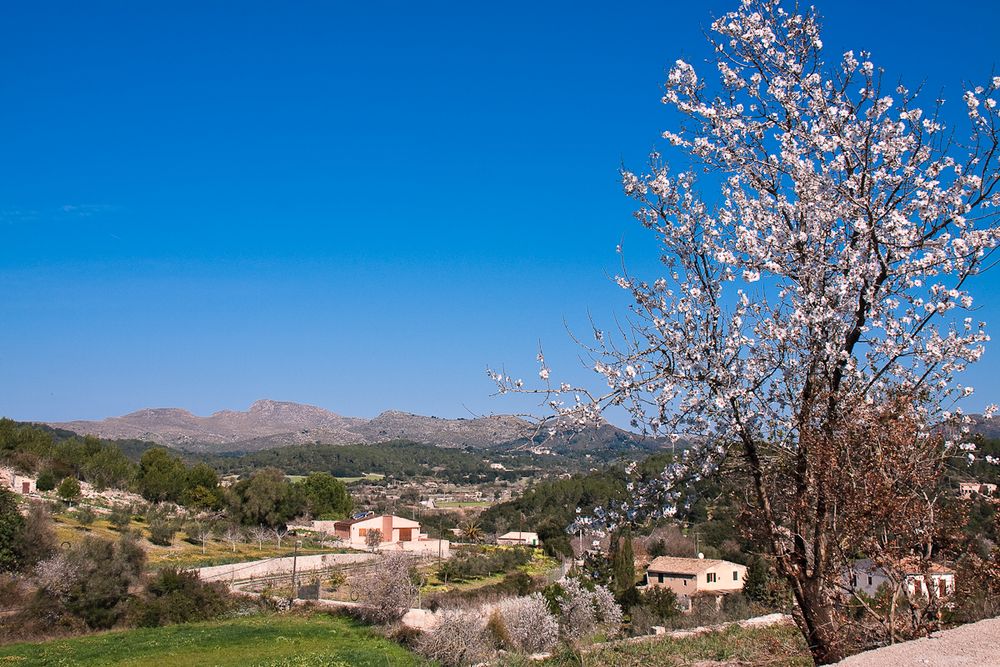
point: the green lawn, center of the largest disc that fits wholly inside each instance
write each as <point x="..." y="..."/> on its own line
<point x="316" y="640"/>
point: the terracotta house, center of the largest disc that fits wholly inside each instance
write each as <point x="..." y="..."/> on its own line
<point x="394" y="529"/>
<point x="398" y="533"/>
<point x="693" y="576"/>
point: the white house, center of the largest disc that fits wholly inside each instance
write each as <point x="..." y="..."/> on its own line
<point x="518" y="538"/>
<point x="972" y="489"/>
<point x="867" y="577"/>
<point x="18" y="483"/>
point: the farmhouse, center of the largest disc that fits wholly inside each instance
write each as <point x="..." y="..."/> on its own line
<point x="690" y="577"/>
<point x="518" y="538"/>
<point x="867" y="577"/>
<point x="396" y="532"/>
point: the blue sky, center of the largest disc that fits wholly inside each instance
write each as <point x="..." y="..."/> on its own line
<point x="355" y="205"/>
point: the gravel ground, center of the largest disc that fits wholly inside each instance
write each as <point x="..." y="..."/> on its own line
<point x="974" y="644"/>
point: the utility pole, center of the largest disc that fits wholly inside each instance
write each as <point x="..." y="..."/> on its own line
<point x="295" y="561"/>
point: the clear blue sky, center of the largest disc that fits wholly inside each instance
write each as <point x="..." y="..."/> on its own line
<point x="356" y="205"/>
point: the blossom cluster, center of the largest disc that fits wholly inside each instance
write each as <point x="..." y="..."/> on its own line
<point x="831" y="250"/>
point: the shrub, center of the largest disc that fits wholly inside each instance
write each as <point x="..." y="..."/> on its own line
<point x="389" y="591"/>
<point x="178" y="596"/>
<point x="39" y="540"/>
<point x="482" y="563"/>
<point x="90" y="581"/>
<point x="69" y="489"/>
<point x="85" y="516"/>
<point x="120" y="517"/>
<point x="529" y="626"/>
<point x="587" y="612"/>
<point x="662" y="601"/>
<point x="46" y="481"/>
<point x="11" y="532"/>
<point x="460" y="638"/>
<point x="162" y="531"/>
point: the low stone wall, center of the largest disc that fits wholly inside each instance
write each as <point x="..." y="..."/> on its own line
<point x="276" y="566"/>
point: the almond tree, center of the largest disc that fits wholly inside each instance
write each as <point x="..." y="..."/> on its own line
<point x="260" y="534"/>
<point x="821" y="263"/>
<point x="234" y="535"/>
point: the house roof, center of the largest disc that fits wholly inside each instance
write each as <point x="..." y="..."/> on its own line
<point x="684" y="565"/>
<point x="519" y="535"/>
<point x="914" y="566"/>
<point x="908" y="566"/>
<point x="397" y="522"/>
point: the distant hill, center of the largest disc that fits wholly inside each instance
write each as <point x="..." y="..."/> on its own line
<point x="988" y="428"/>
<point x="268" y="424"/>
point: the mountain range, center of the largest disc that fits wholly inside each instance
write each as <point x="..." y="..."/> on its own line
<point x="269" y="424"/>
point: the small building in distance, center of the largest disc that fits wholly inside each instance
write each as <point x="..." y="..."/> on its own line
<point x="18" y="483"/>
<point x="518" y="538"/>
<point x="691" y="577"/>
<point x="968" y="490"/>
<point x="867" y="577"/>
<point x="397" y="533"/>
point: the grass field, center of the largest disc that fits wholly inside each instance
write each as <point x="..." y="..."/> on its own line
<point x="539" y="565"/>
<point x="370" y="477"/>
<point x="264" y="641"/>
<point x="180" y="553"/>
<point x="774" y="646"/>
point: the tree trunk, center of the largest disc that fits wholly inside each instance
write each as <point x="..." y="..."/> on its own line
<point x="818" y="621"/>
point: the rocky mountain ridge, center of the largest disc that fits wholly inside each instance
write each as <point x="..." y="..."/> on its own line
<point x="267" y="424"/>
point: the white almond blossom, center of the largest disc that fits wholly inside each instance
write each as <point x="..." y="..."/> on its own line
<point x="820" y="232"/>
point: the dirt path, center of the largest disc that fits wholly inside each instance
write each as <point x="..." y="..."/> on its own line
<point x="974" y="644"/>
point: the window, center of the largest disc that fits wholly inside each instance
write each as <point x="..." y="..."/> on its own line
<point x="869" y="580"/>
<point x="660" y="575"/>
<point x="736" y="575"/>
<point x="711" y="578"/>
<point x="685" y="581"/>
<point x="362" y="532"/>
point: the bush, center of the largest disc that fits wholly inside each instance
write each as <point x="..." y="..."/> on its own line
<point x="85" y="516"/>
<point x="46" y="481"/>
<point x="162" y="532"/>
<point x="11" y="532"/>
<point x="528" y="625"/>
<point x="389" y="591"/>
<point x="39" y="540"/>
<point x="482" y="563"/>
<point x="656" y="606"/>
<point x="460" y="638"/>
<point x="120" y="517"/>
<point x="69" y="489"/>
<point x="178" y="596"/>
<point x="90" y="582"/>
<point x="585" y="613"/>
<point x="662" y="601"/>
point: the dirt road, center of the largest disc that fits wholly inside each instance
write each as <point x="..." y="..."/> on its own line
<point x="975" y="644"/>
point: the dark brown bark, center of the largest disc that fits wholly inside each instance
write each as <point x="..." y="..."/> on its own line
<point x="817" y="619"/>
